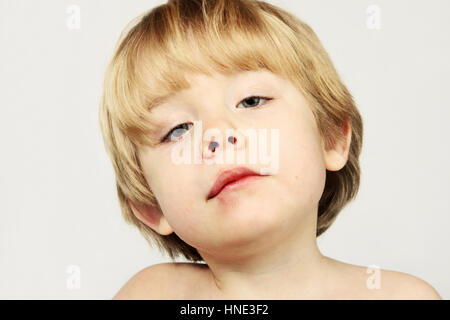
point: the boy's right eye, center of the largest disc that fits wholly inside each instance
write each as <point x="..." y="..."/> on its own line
<point x="176" y="132"/>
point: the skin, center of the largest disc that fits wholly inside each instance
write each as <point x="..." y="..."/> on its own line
<point x="258" y="241"/>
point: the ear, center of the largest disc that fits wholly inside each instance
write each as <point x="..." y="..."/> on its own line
<point x="336" y="158"/>
<point x="152" y="217"/>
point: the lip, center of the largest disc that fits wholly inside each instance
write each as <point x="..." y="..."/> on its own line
<point x="230" y="176"/>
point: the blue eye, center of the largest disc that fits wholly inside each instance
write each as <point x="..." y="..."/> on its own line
<point x="178" y="130"/>
<point x="255" y="99"/>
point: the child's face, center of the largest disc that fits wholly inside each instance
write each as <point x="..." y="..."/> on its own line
<point x="275" y="204"/>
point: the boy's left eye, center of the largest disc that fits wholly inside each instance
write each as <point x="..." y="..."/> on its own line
<point x="255" y="99"/>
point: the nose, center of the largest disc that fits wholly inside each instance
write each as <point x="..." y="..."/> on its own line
<point x="221" y="136"/>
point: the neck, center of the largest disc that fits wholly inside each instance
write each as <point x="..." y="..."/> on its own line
<point x="287" y="265"/>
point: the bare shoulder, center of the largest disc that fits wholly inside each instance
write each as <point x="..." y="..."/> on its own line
<point x="372" y="282"/>
<point x="151" y="283"/>
<point x="405" y="286"/>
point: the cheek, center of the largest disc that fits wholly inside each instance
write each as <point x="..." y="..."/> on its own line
<point x="301" y="163"/>
<point x="184" y="214"/>
<point x="174" y="187"/>
<point x="176" y="196"/>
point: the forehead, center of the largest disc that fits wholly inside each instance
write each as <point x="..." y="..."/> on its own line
<point x="204" y="79"/>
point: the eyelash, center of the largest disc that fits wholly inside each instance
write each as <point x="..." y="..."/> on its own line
<point x="164" y="139"/>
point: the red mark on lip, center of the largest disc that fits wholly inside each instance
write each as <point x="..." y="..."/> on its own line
<point x="231" y="178"/>
<point x="236" y="183"/>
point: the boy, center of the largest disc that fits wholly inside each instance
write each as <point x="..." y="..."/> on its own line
<point x="253" y="76"/>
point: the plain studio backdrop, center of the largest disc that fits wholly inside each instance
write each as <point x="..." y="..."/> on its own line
<point x="62" y="235"/>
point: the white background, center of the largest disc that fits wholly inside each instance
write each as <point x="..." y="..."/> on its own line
<point x="58" y="200"/>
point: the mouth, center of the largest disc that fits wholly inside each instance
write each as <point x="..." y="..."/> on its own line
<point x="231" y="179"/>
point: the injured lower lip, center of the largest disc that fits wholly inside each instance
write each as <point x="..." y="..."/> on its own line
<point x="237" y="184"/>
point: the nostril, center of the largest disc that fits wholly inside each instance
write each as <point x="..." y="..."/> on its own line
<point x="213" y="145"/>
<point x="232" y="140"/>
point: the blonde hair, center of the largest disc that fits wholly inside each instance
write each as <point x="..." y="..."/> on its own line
<point x="158" y="47"/>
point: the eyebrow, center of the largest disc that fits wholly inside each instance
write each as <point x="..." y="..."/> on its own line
<point x="156" y="102"/>
<point x="258" y="83"/>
